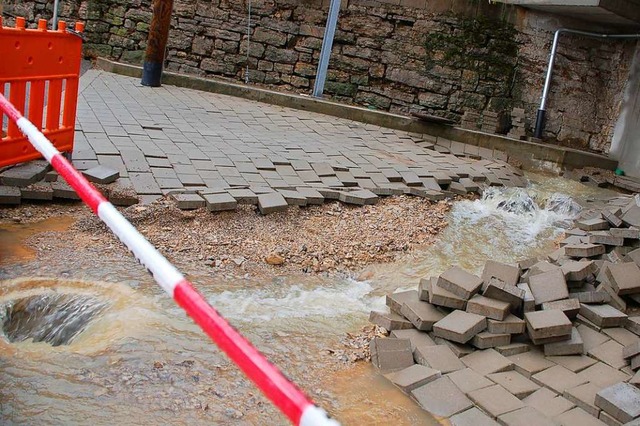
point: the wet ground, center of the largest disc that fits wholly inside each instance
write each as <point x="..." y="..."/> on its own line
<point x="140" y="360"/>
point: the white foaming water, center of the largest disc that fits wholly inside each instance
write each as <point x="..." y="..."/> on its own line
<point x="341" y="298"/>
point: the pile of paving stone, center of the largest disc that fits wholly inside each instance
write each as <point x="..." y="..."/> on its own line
<point x="545" y="341"/>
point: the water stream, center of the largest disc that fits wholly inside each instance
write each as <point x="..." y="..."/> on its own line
<point x="134" y="357"/>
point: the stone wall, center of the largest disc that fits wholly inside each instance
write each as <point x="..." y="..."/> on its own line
<point x="440" y="57"/>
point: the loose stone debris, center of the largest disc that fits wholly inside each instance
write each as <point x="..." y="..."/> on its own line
<point x="545" y="341"/>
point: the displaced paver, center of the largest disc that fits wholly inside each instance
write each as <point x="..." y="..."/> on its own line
<point x="602" y="375"/>
<point x="9" y="195"/>
<point x="515" y="383"/>
<point x="441" y="398"/>
<point x="101" y="174"/>
<point x="472" y="417"/>
<point x="584" y="396"/>
<point x="495" y="400"/>
<point x="548" y="326"/>
<point x="510" y="325"/>
<point x="421" y="314"/>
<point x="624" y="278"/>
<point x="413" y="377"/>
<point x="271" y="203"/>
<point x="438" y="357"/>
<point x="548" y="286"/>
<point x="621" y="401"/>
<point x="573" y="346"/>
<point x="610" y="353"/>
<point x="487" y="362"/>
<point x="391" y="354"/>
<point x="490" y="308"/>
<point x="524" y="417"/>
<point x="219" y="202"/>
<point x="506" y="273"/>
<point x="468" y="380"/>
<point x="395" y="300"/>
<point x="548" y="402"/>
<point x="459" y="326"/>
<point x="497" y="289"/>
<point x="603" y="315"/>
<point x="389" y="321"/>
<point x="558" y="379"/>
<point x="578" y="417"/>
<point x="530" y="363"/>
<point x="188" y="201"/>
<point x="460" y="282"/>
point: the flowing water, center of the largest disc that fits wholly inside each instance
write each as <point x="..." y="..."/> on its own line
<point x="130" y="356"/>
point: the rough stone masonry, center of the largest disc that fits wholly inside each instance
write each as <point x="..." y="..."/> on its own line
<point x="544" y="341"/>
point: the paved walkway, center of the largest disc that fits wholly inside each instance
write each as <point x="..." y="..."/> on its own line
<point x="170" y="138"/>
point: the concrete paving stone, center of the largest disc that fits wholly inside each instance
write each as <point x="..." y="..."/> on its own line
<point x="575" y="363"/>
<point x="158" y="162"/>
<point x="272" y="202"/>
<point x="417" y="337"/>
<point x="485" y="340"/>
<point x="422" y="315"/>
<point x="468" y="380"/>
<point x="359" y="197"/>
<point x="61" y="189"/>
<point x="603" y="375"/>
<point x="633" y="256"/>
<point x="590" y="297"/>
<point x="515" y="383"/>
<point x="548" y="402"/>
<point x="101" y="174"/>
<point x="220" y="202"/>
<point x="389" y="321"/>
<point x="609" y="420"/>
<point x="495" y="400"/>
<point x="25" y="174"/>
<point x="460" y="282"/>
<point x="144" y="184"/>
<point x="590" y="337"/>
<point x="632" y="217"/>
<point x="413" y="377"/>
<point x="610" y="353"/>
<point x="134" y="160"/>
<point x="263" y="164"/>
<point x="395" y="300"/>
<point x="615" y="301"/>
<point x="441" y="398"/>
<point x="510" y="325"/>
<point x="603" y="315"/>
<point x="548" y="287"/>
<point x="578" y="271"/>
<point x="497" y="289"/>
<point x="530" y="363"/>
<point x="309" y="176"/>
<point x="35" y="191"/>
<point x="621" y="335"/>
<point x="547" y="324"/>
<point x="410" y="178"/>
<point x="513" y="349"/>
<point x="51" y="176"/>
<point x="584" y="396"/>
<point x="524" y="417"/>
<point x="541" y="267"/>
<point x="329" y="193"/>
<point x="584" y="250"/>
<point x="244" y="196"/>
<point x="439" y="357"/>
<point x="123" y="195"/>
<point x="627" y="233"/>
<point x="313" y="196"/>
<point x="459" y="349"/>
<point x="570" y="307"/>
<point x="558" y="379"/>
<point x="441" y="297"/>
<point x="10" y="195"/>
<point x="578" y="417"/>
<point x="595" y="224"/>
<point x="391" y="355"/>
<point x="459" y="326"/>
<point x="490" y="308"/>
<point x="487" y="361"/>
<point x="293" y="198"/>
<point x="633" y="324"/>
<point x="168" y="183"/>
<point x="573" y="346"/>
<point x="632" y="350"/>
<point x="612" y="217"/>
<point x="472" y="417"/>
<point x="624" y="278"/>
<point x="322" y="169"/>
<point x="528" y="303"/>
<point x="604" y="237"/>
<point x="187" y="201"/>
<point x="508" y="274"/>
<point x="621" y="401"/>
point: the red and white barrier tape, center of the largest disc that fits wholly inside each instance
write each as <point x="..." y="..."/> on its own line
<point x="282" y="392"/>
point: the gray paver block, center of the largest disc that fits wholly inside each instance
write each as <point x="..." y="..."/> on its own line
<point x="577" y="271"/>
<point x="460" y="282"/>
<point x="313" y="196"/>
<point x="497" y="289"/>
<point x="584" y="396"/>
<point x="220" y="202"/>
<point x="459" y="326"/>
<point x="621" y="401"/>
<point x="389" y="321"/>
<point x="604" y="237"/>
<point x="595" y="224"/>
<point x="441" y="297"/>
<point x="413" y="377"/>
<point x="472" y="417"/>
<point x="37" y="191"/>
<point x="188" y="201"/>
<point x="101" y="174"/>
<point x="468" y="380"/>
<point x="548" y="286"/>
<point x="631" y="350"/>
<point x="510" y="325"/>
<point x="530" y="363"/>
<point x="628" y="233"/>
<point x="391" y="354"/>
<point x="547" y="324"/>
<point x="610" y="353"/>
<point x="558" y="379"/>
<point x="123" y="196"/>
<point x="417" y="337"/>
<point x="423" y="315"/>
<point x="507" y="273"/>
<point x="487" y="361"/>
<point x="524" y="417"/>
<point x="578" y="417"/>
<point x="584" y="250"/>
<point x="395" y="300"/>
<point x="570" y="307"/>
<point x="624" y="278"/>
<point x="590" y="337"/>
<point x="603" y="315"/>
<point x="573" y="346"/>
<point x="633" y="324"/>
<point x="513" y="349"/>
<point x="490" y="308"/>
<point x="485" y="340"/>
<point x="575" y="363"/>
<point x="515" y="383"/>
<point x="602" y="375"/>
<point x="359" y="197"/>
<point x="10" y="195"/>
<point x="25" y="174"/>
<point x="439" y="357"/>
<point x="621" y="335"/>
<point x="244" y="196"/>
<point x="547" y="401"/>
<point x="495" y="400"/>
<point x="441" y="398"/>
<point x="272" y="202"/>
<point x="61" y="189"/>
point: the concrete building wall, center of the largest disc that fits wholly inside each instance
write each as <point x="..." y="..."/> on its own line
<point x="442" y="57"/>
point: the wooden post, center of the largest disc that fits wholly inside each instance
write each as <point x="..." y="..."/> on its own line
<point x="157" y="43"/>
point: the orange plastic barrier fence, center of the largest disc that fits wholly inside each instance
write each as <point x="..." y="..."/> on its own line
<point x="39" y="73"/>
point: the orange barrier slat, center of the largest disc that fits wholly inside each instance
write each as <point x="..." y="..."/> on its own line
<point x="17" y="96"/>
<point x="70" y="103"/>
<point x="36" y="103"/>
<point x="53" y="105"/>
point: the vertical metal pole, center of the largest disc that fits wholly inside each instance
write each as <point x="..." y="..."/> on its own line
<point x="157" y="43"/>
<point x="246" y="76"/>
<point x="542" y="111"/>
<point x="54" y="21"/>
<point x="327" y="45"/>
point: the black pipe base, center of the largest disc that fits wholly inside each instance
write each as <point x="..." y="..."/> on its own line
<point x="151" y="74"/>
<point x="539" y="124"/>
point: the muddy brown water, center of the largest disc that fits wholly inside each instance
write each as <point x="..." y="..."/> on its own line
<point x="142" y="361"/>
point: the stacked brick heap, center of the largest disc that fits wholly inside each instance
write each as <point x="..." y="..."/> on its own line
<point x="470" y="120"/>
<point x="553" y="341"/>
<point x="518" y="124"/>
<point x="490" y="121"/>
